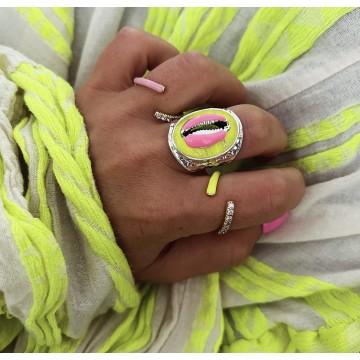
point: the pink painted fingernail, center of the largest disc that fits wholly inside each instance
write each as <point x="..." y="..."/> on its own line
<point x="149" y="84"/>
<point x="273" y="225"/>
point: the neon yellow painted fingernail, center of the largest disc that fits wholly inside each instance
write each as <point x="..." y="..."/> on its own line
<point x="211" y="189"/>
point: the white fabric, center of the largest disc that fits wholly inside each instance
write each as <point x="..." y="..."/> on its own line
<point x="328" y="210"/>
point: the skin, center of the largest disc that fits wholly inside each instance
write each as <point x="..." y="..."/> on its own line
<point x="161" y="216"/>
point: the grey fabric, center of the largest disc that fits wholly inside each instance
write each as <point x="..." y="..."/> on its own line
<point x="332" y="53"/>
<point x="288" y="311"/>
<point x="28" y="42"/>
<point x="94" y="31"/>
<point x="134" y="16"/>
<point x="224" y="49"/>
<point x="333" y="260"/>
<point x="12" y="270"/>
<point x="82" y="20"/>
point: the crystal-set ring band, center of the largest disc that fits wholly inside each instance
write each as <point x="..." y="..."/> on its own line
<point x="229" y="214"/>
<point x="205" y="138"/>
<point x="166" y="117"/>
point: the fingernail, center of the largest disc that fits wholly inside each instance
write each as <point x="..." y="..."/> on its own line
<point x="273" y="225"/>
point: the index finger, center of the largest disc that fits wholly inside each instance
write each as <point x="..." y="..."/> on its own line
<point x="129" y="55"/>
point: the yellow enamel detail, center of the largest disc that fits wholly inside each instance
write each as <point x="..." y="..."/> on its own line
<point x="211" y="189"/>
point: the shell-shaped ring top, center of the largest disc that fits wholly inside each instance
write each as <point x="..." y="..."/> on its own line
<point x="206" y="138"/>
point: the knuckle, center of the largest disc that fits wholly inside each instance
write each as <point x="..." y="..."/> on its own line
<point x="197" y="63"/>
<point x="129" y="32"/>
<point x="276" y="193"/>
<point x="258" y="130"/>
<point x="194" y="56"/>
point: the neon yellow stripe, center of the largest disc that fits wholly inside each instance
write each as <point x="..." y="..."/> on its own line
<point x="262" y="33"/>
<point x="186" y="27"/>
<point x="134" y="332"/>
<point x="340" y="307"/>
<point x="142" y="335"/>
<point x="220" y="338"/>
<point x="72" y="168"/>
<point x="67" y="345"/>
<point x="166" y="22"/>
<point x="156" y="20"/>
<point x="284" y="338"/>
<point x="18" y="137"/>
<point x="123" y="332"/>
<point x="45" y="268"/>
<point x="66" y="15"/>
<point x="262" y="57"/>
<point x="40" y="79"/>
<point x="67" y="140"/>
<point x="260" y="283"/>
<point x="249" y="321"/>
<point x="20" y="140"/>
<point x="36" y="18"/>
<point x="10" y="327"/>
<point x="204" y="323"/>
<point x="336" y="306"/>
<point x="211" y="29"/>
<point x="324" y="129"/>
<point x="259" y="333"/>
<point x="44" y="211"/>
<point x="289" y="37"/>
<point x="300" y="37"/>
<point x="9" y="330"/>
<point x="73" y="137"/>
<point x="274" y="340"/>
<point x="172" y="17"/>
<point x="229" y="334"/>
<point x="328" y="159"/>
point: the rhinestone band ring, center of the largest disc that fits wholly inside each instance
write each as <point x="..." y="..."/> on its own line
<point x="229" y="214"/>
<point x="205" y="138"/>
<point x="166" y="117"/>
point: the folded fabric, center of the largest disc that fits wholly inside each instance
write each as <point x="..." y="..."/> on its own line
<point x="65" y="285"/>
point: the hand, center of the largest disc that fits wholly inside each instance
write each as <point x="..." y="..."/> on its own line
<point x="163" y="220"/>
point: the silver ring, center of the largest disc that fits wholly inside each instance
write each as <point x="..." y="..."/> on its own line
<point x="229" y="214"/>
<point x="205" y="138"/>
<point x="166" y="117"/>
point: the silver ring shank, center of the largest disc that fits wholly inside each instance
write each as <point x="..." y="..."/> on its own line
<point x="229" y="214"/>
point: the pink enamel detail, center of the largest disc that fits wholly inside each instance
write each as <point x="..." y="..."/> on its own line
<point x="197" y="120"/>
<point x="149" y="84"/>
<point x="204" y="140"/>
<point x="273" y="225"/>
